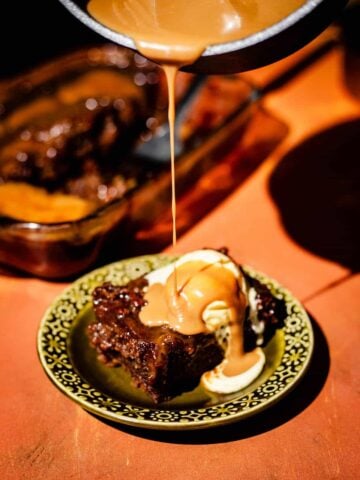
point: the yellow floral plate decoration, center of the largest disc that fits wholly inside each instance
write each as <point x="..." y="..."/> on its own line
<point x="72" y="364"/>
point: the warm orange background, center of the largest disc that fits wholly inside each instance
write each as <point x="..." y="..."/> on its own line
<point x="313" y="434"/>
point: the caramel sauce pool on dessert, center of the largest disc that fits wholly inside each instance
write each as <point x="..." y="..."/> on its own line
<point x="199" y="284"/>
<point x="210" y="295"/>
<point x="173" y="34"/>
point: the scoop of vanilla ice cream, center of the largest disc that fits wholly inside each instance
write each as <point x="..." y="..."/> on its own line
<point x="205" y="255"/>
<point x="216" y="315"/>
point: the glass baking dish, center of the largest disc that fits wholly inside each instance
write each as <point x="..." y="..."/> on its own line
<point x="226" y="136"/>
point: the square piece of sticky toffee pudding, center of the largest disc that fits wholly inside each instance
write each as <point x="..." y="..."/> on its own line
<point x="161" y="359"/>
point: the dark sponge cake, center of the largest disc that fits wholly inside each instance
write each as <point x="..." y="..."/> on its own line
<point x="160" y="360"/>
<point x="270" y="313"/>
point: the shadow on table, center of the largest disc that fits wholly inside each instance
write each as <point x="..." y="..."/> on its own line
<point x="350" y="21"/>
<point x="291" y="406"/>
<point x="316" y="188"/>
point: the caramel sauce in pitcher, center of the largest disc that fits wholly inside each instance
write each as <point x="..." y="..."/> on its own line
<point x="178" y="31"/>
<point x="174" y="33"/>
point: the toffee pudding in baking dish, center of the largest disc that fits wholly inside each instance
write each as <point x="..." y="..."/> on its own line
<point x="210" y="329"/>
<point x="72" y="137"/>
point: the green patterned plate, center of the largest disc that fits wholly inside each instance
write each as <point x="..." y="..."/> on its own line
<point x="72" y="365"/>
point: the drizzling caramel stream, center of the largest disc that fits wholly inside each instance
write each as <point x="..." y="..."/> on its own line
<point x="174" y="33"/>
<point x="170" y="72"/>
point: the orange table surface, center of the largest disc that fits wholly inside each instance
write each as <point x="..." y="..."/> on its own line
<point x="311" y="434"/>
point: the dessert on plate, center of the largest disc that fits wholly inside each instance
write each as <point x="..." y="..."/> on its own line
<point x="199" y="319"/>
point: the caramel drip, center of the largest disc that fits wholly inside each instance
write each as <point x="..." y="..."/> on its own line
<point x="171" y="72"/>
<point x="236" y="361"/>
